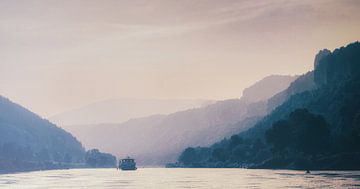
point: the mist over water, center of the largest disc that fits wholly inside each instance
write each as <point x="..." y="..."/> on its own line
<point x="156" y="178"/>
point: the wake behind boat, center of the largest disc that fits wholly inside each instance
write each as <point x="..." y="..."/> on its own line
<point x="127" y="164"/>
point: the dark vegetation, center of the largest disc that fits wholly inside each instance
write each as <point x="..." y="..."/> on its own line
<point x="316" y="127"/>
<point x="94" y="158"/>
<point x="28" y="142"/>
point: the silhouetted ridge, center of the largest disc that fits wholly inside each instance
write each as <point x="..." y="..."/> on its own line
<point x="28" y="142"/>
<point x="317" y="126"/>
<point x="341" y="65"/>
<point x="158" y="139"/>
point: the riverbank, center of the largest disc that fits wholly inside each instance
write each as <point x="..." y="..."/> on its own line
<point x="342" y="161"/>
<point x="16" y="166"/>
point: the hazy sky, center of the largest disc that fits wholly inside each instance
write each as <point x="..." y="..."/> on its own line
<point x="57" y="55"/>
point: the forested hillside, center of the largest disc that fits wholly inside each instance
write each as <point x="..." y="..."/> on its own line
<point x="315" y="128"/>
<point x="28" y="142"/>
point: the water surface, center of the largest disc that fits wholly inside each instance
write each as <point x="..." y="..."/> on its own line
<point x="156" y="178"/>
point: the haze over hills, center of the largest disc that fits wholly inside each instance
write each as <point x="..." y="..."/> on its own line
<point x="28" y="142"/>
<point x="123" y="109"/>
<point x="266" y="88"/>
<point x="316" y="126"/>
<point x="159" y="139"/>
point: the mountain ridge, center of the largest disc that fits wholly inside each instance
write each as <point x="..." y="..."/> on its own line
<point x="123" y="109"/>
<point x="329" y="109"/>
<point x="160" y="139"/>
<point x="30" y="142"/>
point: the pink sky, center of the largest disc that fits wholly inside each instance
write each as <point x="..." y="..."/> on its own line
<point x="58" y="55"/>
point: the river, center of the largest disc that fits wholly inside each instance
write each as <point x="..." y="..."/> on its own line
<point x="157" y="178"/>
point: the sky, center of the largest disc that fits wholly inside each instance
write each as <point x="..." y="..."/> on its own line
<point x="59" y="55"/>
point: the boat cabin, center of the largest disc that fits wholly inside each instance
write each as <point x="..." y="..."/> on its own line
<point x="128" y="160"/>
<point x="127" y="164"/>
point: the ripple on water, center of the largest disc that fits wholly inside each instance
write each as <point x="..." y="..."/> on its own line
<point x="180" y="178"/>
<point x="7" y="182"/>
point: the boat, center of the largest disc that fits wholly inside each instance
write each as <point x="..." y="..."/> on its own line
<point x="127" y="164"/>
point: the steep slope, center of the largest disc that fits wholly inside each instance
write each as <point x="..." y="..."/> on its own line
<point x="121" y="110"/>
<point x="336" y="76"/>
<point x="315" y="128"/>
<point x="29" y="142"/>
<point x="303" y="83"/>
<point x="159" y="139"/>
<point x="262" y="89"/>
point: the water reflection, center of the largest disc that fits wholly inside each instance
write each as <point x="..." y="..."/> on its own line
<point x="180" y="178"/>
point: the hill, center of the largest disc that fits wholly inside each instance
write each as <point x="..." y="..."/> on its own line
<point x="159" y="139"/>
<point x="28" y="142"/>
<point x="123" y="109"/>
<point x="316" y="126"/>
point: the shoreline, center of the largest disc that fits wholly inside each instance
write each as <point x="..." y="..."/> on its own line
<point x="213" y="168"/>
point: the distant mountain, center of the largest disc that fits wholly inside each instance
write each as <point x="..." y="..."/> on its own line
<point x="121" y="110"/>
<point x="28" y="142"/>
<point x="316" y="125"/>
<point x="158" y="139"/>
<point x="266" y="88"/>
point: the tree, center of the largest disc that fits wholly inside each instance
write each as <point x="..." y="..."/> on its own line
<point x="235" y="140"/>
<point x="220" y="154"/>
<point x="188" y="156"/>
<point x="302" y="131"/>
<point x="311" y="132"/>
<point x="279" y="135"/>
<point x="94" y="158"/>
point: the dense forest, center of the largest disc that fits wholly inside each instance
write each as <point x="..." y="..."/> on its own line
<point x="28" y="142"/>
<point x="317" y="126"/>
<point x="94" y="158"/>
